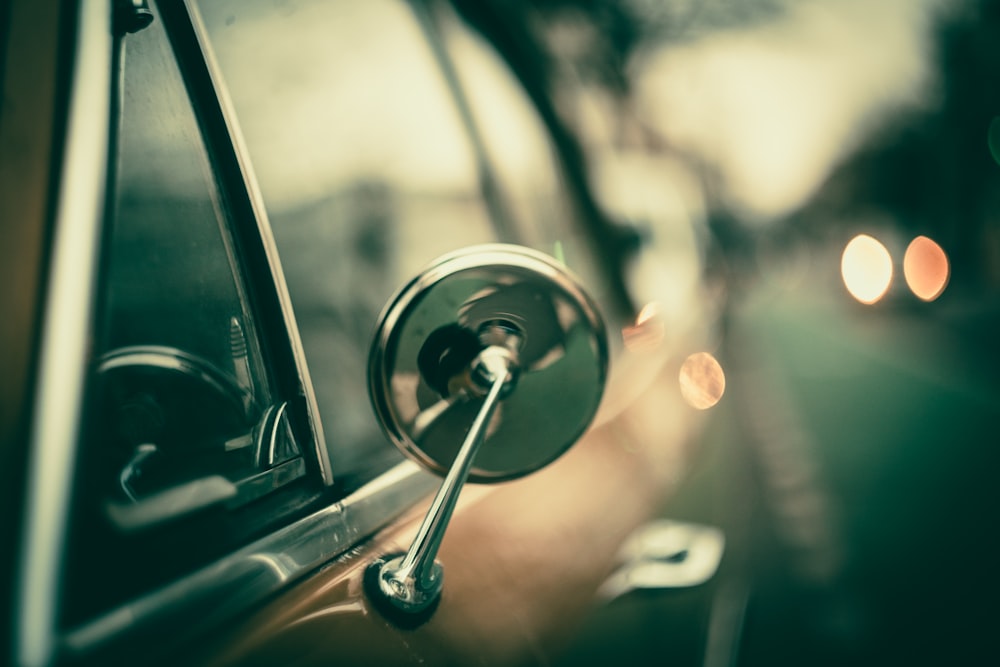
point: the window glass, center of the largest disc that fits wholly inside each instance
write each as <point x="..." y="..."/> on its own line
<point x="520" y="151"/>
<point x="181" y="374"/>
<point x="183" y="420"/>
<point x="366" y="170"/>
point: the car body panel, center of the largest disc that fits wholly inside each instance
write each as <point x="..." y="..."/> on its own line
<point x="523" y="559"/>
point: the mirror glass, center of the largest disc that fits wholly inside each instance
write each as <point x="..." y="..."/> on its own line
<point x="430" y="333"/>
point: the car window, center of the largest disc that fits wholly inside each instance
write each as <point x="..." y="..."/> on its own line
<point x="184" y="421"/>
<point x="518" y="148"/>
<point x="545" y="208"/>
<point x="367" y="172"/>
<point x="175" y="303"/>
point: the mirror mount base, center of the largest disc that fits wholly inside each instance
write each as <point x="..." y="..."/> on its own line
<point x="386" y="589"/>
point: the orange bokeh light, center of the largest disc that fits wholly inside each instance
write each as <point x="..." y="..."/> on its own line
<point x="702" y="380"/>
<point x="648" y="331"/>
<point x="866" y="267"/>
<point x="926" y="268"/>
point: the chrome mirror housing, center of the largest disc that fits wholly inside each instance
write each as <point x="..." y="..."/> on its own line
<point x="487" y="366"/>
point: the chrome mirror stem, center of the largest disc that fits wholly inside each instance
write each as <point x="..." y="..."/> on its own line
<point x="412" y="582"/>
<point x="477" y="327"/>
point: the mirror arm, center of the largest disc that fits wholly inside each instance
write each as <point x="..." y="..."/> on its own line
<point x="411" y="583"/>
<point x="465" y="329"/>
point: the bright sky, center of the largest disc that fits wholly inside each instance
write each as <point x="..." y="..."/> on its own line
<point x="773" y="107"/>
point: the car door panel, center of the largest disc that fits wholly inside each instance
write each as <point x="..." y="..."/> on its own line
<point x="523" y="560"/>
<point x="265" y="562"/>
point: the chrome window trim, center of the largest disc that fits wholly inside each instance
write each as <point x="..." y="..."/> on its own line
<point x="267" y="238"/>
<point x="67" y="323"/>
<point x="185" y="18"/>
<point x="236" y="582"/>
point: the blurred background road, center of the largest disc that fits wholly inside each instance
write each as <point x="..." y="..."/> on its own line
<point x="891" y="412"/>
<point x="852" y="465"/>
<point x="846" y="155"/>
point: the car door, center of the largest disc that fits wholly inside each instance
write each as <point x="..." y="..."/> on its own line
<point x="414" y="100"/>
<point x="222" y="450"/>
<point x="192" y="430"/>
<point x="198" y="431"/>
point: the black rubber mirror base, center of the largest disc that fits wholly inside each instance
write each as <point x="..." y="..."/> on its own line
<point x="402" y="619"/>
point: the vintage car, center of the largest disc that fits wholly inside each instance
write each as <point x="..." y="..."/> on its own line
<point x="273" y="269"/>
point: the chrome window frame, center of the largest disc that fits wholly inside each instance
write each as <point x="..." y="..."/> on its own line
<point x="249" y="222"/>
<point x="249" y="575"/>
<point x="67" y="323"/>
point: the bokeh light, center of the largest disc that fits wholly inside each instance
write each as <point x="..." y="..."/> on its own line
<point x="702" y="380"/>
<point x="866" y="267"/>
<point x="648" y="331"/>
<point x="926" y="268"/>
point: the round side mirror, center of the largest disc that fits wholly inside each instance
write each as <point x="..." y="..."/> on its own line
<point x="421" y="376"/>
<point x="487" y="366"/>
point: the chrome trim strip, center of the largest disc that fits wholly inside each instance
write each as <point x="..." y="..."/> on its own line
<point x="235" y="583"/>
<point x="264" y="482"/>
<point x="66" y="333"/>
<point x="267" y="238"/>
